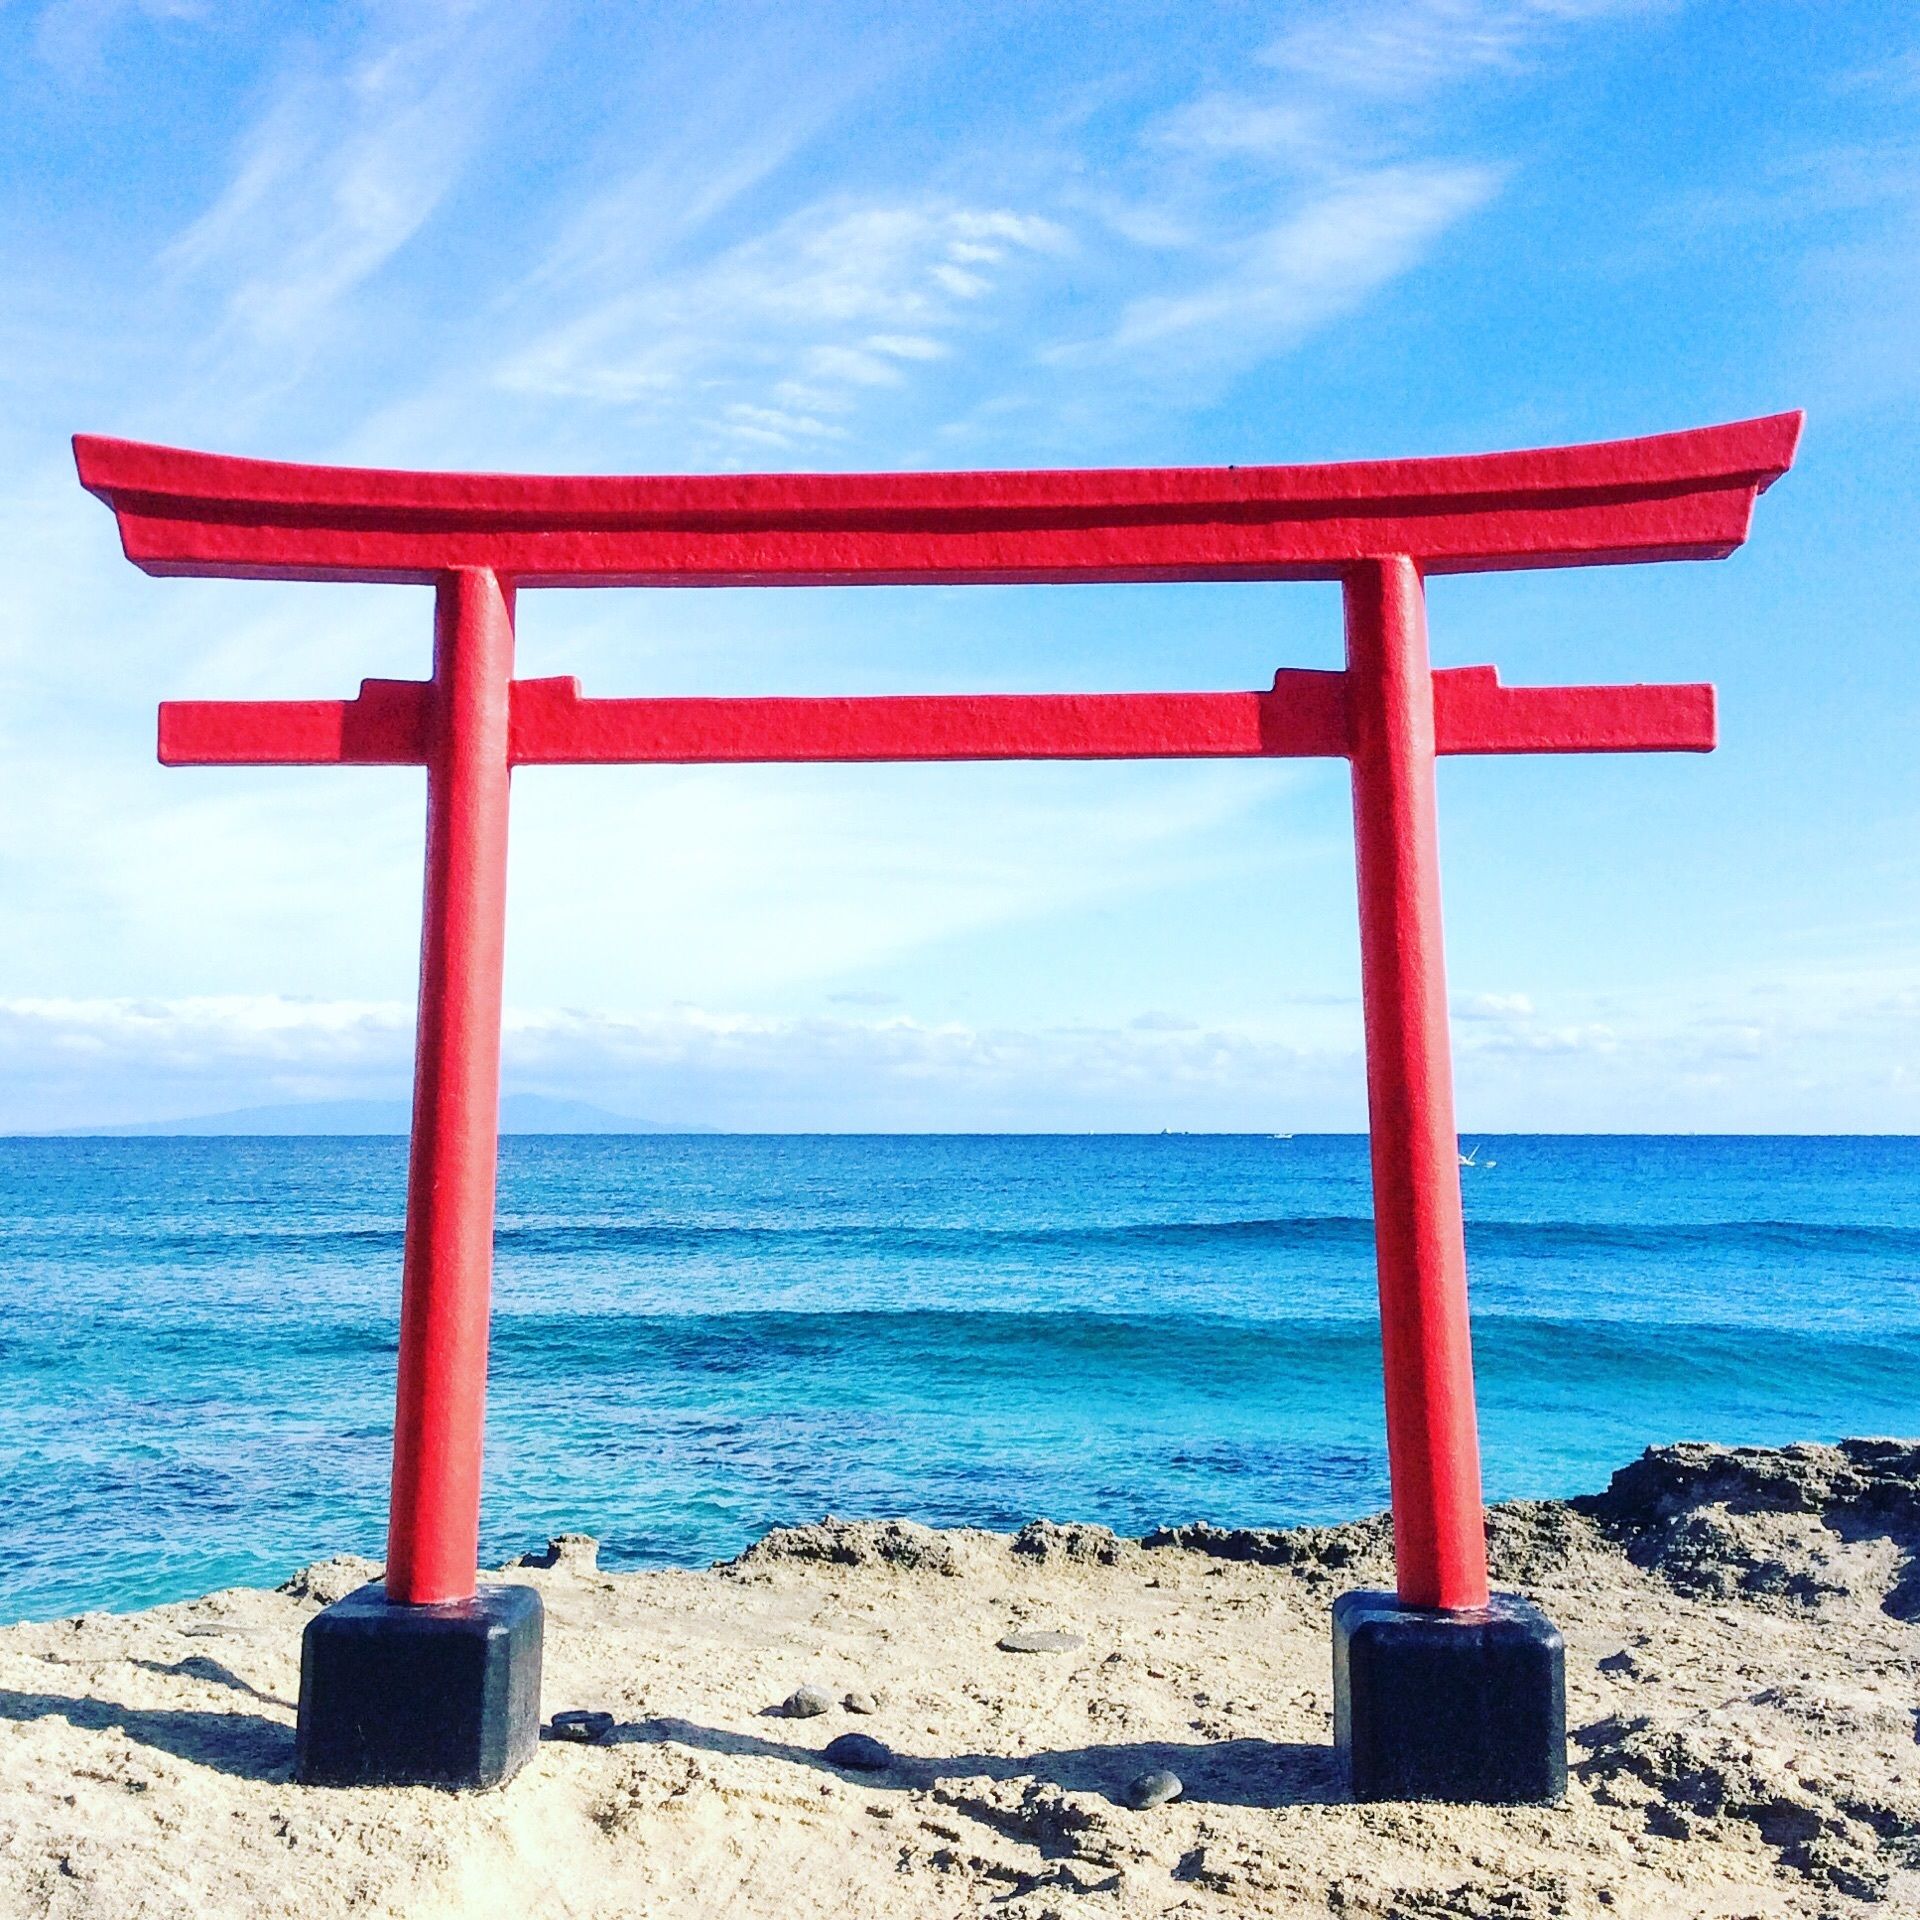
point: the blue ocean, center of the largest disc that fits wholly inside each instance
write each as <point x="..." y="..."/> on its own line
<point x="696" y="1338"/>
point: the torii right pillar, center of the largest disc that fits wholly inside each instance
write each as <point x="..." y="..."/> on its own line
<point x="1441" y="1690"/>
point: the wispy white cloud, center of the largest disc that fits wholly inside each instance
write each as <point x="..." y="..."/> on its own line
<point x="1231" y="227"/>
<point x="1347" y="84"/>
<point x="774" y="339"/>
<point x="688" y="297"/>
<point x="1321" y="261"/>
<point x="1852" y="271"/>
<point x="1227" y="123"/>
<point x="1895" y="78"/>
<point x="714" y="117"/>
<point x="1403" y="47"/>
<point x="1528" y="1036"/>
<point x="1494" y="1006"/>
<point x="73" y="35"/>
<point x="1796" y="190"/>
<point x="1265" y="210"/>
<point x="344" y="165"/>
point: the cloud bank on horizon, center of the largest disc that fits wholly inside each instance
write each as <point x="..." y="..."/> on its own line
<point x="542" y="236"/>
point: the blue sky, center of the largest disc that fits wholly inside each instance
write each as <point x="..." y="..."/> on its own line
<point x="637" y="238"/>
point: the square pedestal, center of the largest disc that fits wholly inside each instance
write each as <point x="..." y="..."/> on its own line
<point x="1431" y="1705"/>
<point x="436" y="1696"/>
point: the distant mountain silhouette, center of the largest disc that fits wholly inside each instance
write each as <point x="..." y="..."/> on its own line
<point x="519" y="1113"/>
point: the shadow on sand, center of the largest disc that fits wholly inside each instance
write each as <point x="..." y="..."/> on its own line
<point x="243" y="1744"/>
<point x="1227" y="1773"/>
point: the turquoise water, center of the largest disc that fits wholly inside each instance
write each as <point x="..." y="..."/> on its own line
<point x="697" y="1338"/>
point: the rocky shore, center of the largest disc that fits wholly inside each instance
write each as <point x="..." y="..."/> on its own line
<point x="874" y="1718"/>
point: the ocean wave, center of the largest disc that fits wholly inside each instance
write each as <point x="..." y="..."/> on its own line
<point x="1520" y="1346"/>
<point x="1307" y="1230"/>
<point x="608" y="1353"/>
<point x="1301" y="1230"/>
<point x="1787" y="1236"/>
<point x="545" y="1240"/>
<point x="893" y="1238"/>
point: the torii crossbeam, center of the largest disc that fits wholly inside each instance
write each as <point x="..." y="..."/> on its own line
<point x="1377" y="527"/>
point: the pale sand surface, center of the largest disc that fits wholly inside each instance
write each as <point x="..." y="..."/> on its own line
<point x="1743" y="1636"/>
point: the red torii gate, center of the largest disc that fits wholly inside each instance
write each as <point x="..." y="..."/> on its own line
<point x="1378" y="527"/>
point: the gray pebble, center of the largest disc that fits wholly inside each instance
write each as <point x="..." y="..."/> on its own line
<point x="1152" y="1789"/>
<point x="804" y="1703"/>
<point x="859" y="1751"/>
<point x="581" y="1723"/>
<point x="859" y="1701"/>
<point x="1040" y="1640"/>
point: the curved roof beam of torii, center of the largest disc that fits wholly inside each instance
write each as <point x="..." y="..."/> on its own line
<point x="1673" y="496"/>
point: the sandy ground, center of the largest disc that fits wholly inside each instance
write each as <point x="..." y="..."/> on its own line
<point x="1743" y="1634"/>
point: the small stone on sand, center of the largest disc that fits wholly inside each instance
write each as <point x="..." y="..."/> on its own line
<point x="581" y="1723"/>
<point x="806" y="1702"/>
<point x="859" y="1751"/>
<point x="1152" y="1789"/>
<point x="859" y="1701"/>
<point x="1040" y="1640"/>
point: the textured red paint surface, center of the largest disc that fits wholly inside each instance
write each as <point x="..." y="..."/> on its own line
<point x="1433" y="1447"/>
<point x="1302" y="716"/>
<point x="434" y="1531"/>
<point x="1670" y="497"/>
<point x="1378" y="527"/>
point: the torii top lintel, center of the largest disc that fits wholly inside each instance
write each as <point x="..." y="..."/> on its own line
<point x="1673" y="496"/>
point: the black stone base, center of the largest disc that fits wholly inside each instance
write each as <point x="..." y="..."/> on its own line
<point x="437" y="1696"/>
<point x="1449" y="1706"/>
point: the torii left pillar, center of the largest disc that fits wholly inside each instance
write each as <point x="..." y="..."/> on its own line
<point x="435" y="1679"/>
